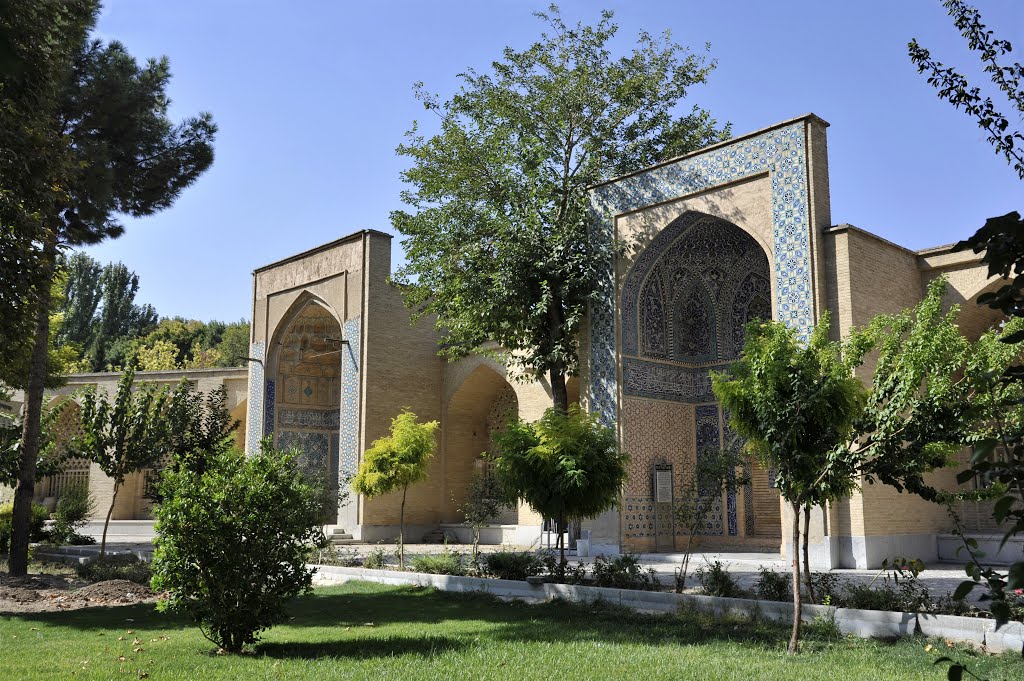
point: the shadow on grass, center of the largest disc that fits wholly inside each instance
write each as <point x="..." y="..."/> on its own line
<point x="462" y="617"/>
<point x="363" y="648"/>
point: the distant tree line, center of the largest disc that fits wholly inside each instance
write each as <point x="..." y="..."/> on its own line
<point x="98" y="326"/>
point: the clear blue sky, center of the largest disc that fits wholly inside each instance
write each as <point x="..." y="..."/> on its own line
<point x="313" y="96"/>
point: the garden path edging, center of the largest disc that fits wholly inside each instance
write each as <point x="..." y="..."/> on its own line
<point x="862" y="623"/>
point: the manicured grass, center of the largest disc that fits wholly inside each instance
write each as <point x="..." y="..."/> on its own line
<point x="370" y="631"/>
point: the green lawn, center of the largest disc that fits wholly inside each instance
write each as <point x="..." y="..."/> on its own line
<point x="371" y="631"/>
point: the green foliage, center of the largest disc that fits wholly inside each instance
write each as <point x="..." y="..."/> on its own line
<point x="795" y="403"/>
<point x="926" y="402"/>
<point x="828" y="588"/>
<point x="517" y="565"/>
<point x="57" y="425"/>
<point x="126" y="435"/>
<point x="375" y="559"/>
<point x="716" y="471"/>
<point x="566" y="465"/>
<point x="39" y="40"/>
<point x="178" y="343"/>
<point x="39" y="516"/>
<point x="199" y="426"/>
<point x="716" y="580"/>
<point x="396" y="461"/>
<point x="1000" y="455"/>
<point x="483" y="503"/>
<point x="74" y="508"/>
<point x="955" y="88"/>
<point x="496" y="234"/>
<point x="623" y="572"/>
<point x="119" y="317"/>
<point x="118" y="154"/>
<point x="95" y="312"/>
<point x="773" y="586"/>
<point x="232" y="542"/>
<point x="445" y="563"/>
<point x="120" y="566"/>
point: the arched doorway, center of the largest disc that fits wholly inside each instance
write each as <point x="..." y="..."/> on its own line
<point x="685" y="303"/>
<point x="480" y="407"/>
<point x="304" y="389"/>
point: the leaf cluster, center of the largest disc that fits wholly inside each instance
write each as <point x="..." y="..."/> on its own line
<point x="398" y="459"/>
<point x="496" y="234"/>
<point x="128" y="433"/>
<point x="795" y="403"/>
<point x="955" y="88"/>
<point x="232" y="542"/>
<point x="564" y="465"/>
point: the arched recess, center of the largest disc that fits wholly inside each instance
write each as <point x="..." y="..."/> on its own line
<point x="480" y="406"/>
<point x="303" y="391"/>
<point x="684" y="306"/>
<point x="239" y="414"/>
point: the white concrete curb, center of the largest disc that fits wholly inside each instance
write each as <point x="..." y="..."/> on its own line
<point x="863" y="623"/>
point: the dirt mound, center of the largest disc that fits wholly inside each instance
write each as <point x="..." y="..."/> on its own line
<point x="115" y="591"/>
<point x="18" y="594"/>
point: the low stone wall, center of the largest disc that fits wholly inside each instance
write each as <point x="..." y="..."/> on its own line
<point x="863" y="623"/>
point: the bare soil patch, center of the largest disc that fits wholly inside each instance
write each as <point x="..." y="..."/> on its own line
<point x="54" y="593"/>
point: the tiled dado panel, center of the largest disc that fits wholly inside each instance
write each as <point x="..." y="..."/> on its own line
<point x="254" y="414"/>
<point x="316" y="455"/>
<point x="782" y="153"/>
<point x="656" y="431"/>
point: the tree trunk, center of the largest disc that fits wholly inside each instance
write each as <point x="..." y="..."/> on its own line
<point x="559" y="394"/>
<point x="31" y="435"/>
<point x="794" y="639"/>
<point x="476" y="546"/>
<point x="556" y="329"/>
<point x="686" y="562"/>
<point x="106" y="524"/>
<point x="561" y="544"/>
<point x="807" y="560"/>
<point x="401" y="531"/>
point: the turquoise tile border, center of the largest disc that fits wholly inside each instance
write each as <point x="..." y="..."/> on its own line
<point x="782" y="153"/>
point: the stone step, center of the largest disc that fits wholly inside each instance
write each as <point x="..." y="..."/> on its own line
<point x="343" y="542"/>
<point x="434" y="537"/>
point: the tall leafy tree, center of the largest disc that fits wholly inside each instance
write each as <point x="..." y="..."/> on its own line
<point x="125" y="157"/>
<point x="38" y="41"/>
<point x="999" y="455"/>
<point x="796" y="403"/>
<point x="496" y="231"/>
<point x="120" y="319"/>
<point x="396" y="461"/>
<point x="125" y="435"/>
<point x="81" y="300"/>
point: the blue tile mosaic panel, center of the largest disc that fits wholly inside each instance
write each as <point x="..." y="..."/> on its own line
<point x="268" y="408"/>
<point x="781" y="152"/>
<point x="348" y="441"/>
<point x="308" y="418"/>
<point x="638" y="516"/>
<point x="315" y="448"/>
<point x="254" y="413"/>
<point x="708" y="438"/>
